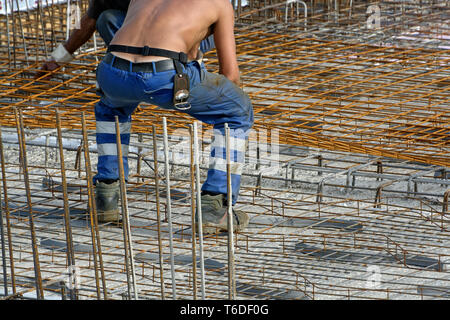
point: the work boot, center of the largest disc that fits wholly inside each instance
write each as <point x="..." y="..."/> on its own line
<point x="107" y="201"/>
<point x="214" y="215"/>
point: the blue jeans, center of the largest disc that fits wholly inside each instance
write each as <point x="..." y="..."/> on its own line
<point x="214" y="100"/>
<point x="111" y="20"/>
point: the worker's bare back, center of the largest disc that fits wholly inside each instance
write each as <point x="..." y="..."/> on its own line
<point x="177" y="25"/>
<point x="180" y="25"/>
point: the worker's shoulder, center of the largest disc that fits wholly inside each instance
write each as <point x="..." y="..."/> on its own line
<point x="222" y="7"/>
<point x="220" y="4"/>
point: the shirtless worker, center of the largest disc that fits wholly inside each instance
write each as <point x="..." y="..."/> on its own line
<point x="105" y="16"/>
<point x="158" y="41"/>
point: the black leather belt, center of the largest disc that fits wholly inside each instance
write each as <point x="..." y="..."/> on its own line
<point x="123" y="64"/>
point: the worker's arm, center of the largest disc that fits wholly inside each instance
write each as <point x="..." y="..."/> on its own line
<point x="80" y="36"/>
<point x="64" y="52"/>
<point x="225" y="43"/>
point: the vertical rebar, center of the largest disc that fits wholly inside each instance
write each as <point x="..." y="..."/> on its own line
<point x="22" y="34"/>
<point x="158" y="213"/>
<point x="14" y="46"/>
<point x="445" y="202"/>
<point x="139" y="157"/>
<point x="44" y="40"/>
<point x="199" y="208"/>
<point x="68" y="19"/>
<point x="239" y="9"/>
<point x="7" y="33"/>
<point x="231" y="271"/>
<point x="379" y="170"/>
<point x="2" y="240"/>
<point x="95" y="235"/>
<point x="52" y="24"/>
<point x="67" y="226"/>
<point x="128" y="241"/>
<point x="62" y="285"/>
<point x="22" y="151"/>
<point x="169" y="207"/>
<point x="8" y="222"/>
<point x="91" y="210"/>
<point x="319" y="163"/>
<point x="192" y="177"/>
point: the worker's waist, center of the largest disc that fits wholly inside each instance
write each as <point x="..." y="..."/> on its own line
<point x="126" y="65"/>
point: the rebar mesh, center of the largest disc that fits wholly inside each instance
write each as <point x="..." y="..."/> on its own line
<point x="356" y="207"/>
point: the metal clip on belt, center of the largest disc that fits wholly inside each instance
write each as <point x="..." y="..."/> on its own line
<point x="181" y="79"/>
<point x="180" y="88"/>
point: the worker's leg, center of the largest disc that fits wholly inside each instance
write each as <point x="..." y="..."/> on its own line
<point x="108" y="23"/>
<point x="122" y="91"/>
<point x="106" y="180"/>
<point x="107" y="167"/>
<point x="216" y="100"/>
<point x="116" y="100"/>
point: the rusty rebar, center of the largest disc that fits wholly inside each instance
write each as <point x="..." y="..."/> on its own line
<point x="3" y="250"/>
<point x="348" y="94"/>
<point x="169" y="206"/>
<point x="24" y="163"/>
<point x="193" y="210"/>
<point x="95" y="235"/>
<point x="127" y="237"/>
<point x="7" y="215"/>
<point x="158" y="212"/>
<point x="199" y="221"/>
<point x="230" y="216"/>
<point x="67" y="227"/>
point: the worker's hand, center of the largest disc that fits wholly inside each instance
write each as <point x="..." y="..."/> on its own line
<point x="48" y="66"/>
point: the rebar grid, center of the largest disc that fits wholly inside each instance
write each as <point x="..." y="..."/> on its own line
<point x="357" y="206"/>
<point x="336" y="95"/>
<point x="400" y="23"/>
<point x="297" y="246"/>
<point x="32" y="34"/>
<point x="331" y="95"/>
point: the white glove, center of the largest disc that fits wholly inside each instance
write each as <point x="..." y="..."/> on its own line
<point x="60" y="54"/>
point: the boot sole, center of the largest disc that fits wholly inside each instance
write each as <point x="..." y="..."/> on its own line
<point x="108" y="216"/>
<point x="211" y="228"/>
